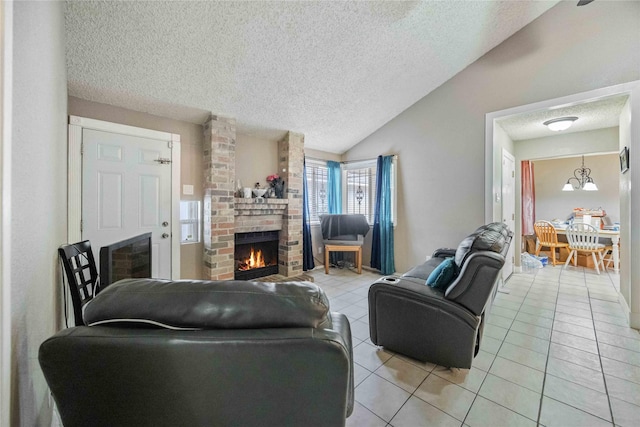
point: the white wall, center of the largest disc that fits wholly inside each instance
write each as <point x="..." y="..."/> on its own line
<point x="551" y="175"/>
<point x="440" y="139"/>
<point x="502" y="141"/>
<point x="37" y="199"/>
<point x="6" y="30"/>
<point x="628" y="289"/>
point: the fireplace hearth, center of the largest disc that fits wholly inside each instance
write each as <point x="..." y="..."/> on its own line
<point x="256" y="254"/>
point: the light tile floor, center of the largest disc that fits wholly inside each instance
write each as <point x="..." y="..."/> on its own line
<point x="556" y="351"/>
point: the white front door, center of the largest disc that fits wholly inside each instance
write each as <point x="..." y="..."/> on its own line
<point x="508" y="206"/>
<point x="126" y="191"/>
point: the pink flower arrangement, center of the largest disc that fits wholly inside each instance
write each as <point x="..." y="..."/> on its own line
<point x="274" y="179"/>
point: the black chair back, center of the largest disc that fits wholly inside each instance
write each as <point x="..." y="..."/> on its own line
<point x="82" y="275"/>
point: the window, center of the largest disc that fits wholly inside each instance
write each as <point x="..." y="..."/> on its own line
<point x="317" y="189"/>
<point x="358" y="188"/>
<point x="360" y="191"/>
<point x="189" y="221"/>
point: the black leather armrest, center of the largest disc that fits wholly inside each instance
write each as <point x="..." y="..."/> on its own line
<point x="444" y="253"/>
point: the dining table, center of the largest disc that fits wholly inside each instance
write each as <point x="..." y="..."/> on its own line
<point x="614" y="235"/>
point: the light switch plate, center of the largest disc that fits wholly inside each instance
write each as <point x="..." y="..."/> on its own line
<point x="187" y="190"/>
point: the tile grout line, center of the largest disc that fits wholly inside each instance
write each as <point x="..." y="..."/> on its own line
<point x="494" y="359"/>
<point x="595" y="332"/>
<point x="546" y="363"/>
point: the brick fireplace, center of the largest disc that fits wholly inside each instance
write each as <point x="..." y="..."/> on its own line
<point x="225" y="215"/>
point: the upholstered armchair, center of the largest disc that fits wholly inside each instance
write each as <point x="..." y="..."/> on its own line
<point x="441" y="324"/>
<point x="197" y="353"/>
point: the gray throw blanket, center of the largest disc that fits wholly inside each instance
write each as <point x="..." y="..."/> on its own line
<point x="343" y="226"/>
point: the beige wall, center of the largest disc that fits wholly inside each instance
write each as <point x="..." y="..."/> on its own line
<point x="255" y="160"/>
<point x="321" y="155"/>
<point x="36" y="199"/>
<point x="551" y="175"/>
<point x="571" y="144"/>
<point x="440" y="139"/>
<point x="191" y="139"/>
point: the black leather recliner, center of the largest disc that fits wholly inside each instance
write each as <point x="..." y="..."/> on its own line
<point x="434" y="325"/>
<point x="198" y="353"/>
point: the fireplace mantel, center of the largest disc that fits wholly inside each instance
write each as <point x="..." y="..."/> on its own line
<point x="259" y="214"/>
<point x="259" y="206"/>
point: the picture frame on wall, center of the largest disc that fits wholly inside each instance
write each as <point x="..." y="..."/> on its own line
<point x="624" y="160"/>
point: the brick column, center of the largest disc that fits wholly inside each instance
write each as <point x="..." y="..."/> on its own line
<point x="291" y="157"/>
<point x="219" y="184"/>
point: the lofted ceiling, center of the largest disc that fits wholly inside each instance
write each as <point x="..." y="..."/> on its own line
<point x="334" y="71"/>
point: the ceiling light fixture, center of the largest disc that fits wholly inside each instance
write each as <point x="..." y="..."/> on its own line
<point x="582" y="180"/>
<point x="561" y="123"/>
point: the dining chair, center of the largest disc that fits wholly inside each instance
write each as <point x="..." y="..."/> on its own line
<point x="547" y="236"/>
<point x="585" y="238"/>
<point x="82" y="275"/>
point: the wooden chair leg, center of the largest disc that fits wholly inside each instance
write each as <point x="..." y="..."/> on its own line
<point x="538" y="247"/>
<point x="326" y="261"/>
<point x="595" y="262"/>
<point x="553" y="256"/>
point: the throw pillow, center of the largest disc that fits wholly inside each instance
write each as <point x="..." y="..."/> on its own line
<point x="443" y="274"/>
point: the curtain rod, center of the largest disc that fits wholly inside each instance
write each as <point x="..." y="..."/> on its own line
<point x="395" y="156"/>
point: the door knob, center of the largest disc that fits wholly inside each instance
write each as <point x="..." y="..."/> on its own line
<point x="164" y="235"/>
<point x="165" y="224"/>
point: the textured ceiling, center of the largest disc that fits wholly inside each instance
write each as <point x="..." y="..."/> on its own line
<point x="335" y="71"/>
<point x="603" y="113"/>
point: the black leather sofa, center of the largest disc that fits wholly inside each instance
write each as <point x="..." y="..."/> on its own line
<point x="197" y="353"/>
<point x="442" y="326"/>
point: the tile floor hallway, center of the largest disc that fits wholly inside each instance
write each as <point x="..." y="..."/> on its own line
<point x="555" y="352"/>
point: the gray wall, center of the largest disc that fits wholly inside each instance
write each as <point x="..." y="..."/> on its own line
<point x="440" y="139"/>
<point x="191" y="139"/>
<point x="38" y="199"/>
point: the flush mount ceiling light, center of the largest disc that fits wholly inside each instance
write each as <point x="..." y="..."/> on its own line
<point x="582" y="180"/>
<point x="561" y="123"/>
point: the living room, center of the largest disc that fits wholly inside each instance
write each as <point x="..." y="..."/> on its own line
<point x="439" y="140"/>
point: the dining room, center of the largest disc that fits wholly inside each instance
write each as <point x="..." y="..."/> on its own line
<point x="560" y="174"/>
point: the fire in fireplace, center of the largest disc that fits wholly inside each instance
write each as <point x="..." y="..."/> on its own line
<point x="255" y="260"/>
<point x="256" y="254"/>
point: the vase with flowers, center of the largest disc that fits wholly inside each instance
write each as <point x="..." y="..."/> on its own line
<point x="277" y="184"/>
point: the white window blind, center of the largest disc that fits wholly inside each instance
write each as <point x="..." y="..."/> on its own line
<point x="317" y="189"/>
